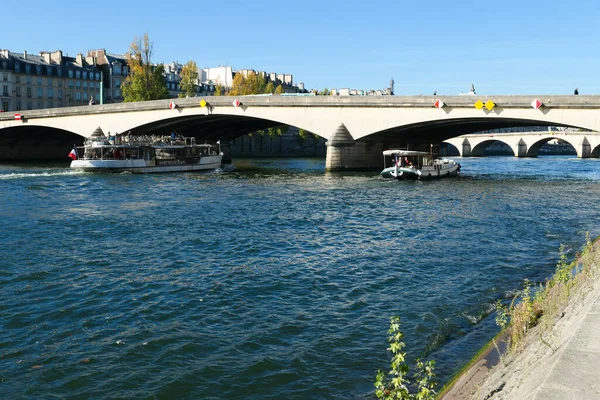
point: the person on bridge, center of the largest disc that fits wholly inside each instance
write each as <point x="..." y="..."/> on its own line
<point x="576" y="92"/>
<point x="92" y="101"/>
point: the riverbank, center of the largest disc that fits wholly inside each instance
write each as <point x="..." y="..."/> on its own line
<point x="557" y="358"/>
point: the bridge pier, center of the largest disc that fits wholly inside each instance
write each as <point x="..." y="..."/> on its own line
<point x="344" y="153"/>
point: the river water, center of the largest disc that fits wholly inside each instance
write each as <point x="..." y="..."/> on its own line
<point x="275" y="280"/>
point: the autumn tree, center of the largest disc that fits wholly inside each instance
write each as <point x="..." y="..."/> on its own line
<point x="238" y="86"/>
<point x="189" y="79"/>
<point x="145" y="81"/>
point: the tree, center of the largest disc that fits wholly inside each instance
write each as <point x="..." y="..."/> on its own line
<point x="218" y="90"/>
<point x="238" y="86"/>
<point x="189" y="79"/>
<point x="270" y="88"/>
<point x="144" y="82"/>
<point x="279" y="89"/>
<point x="324" y="92"/>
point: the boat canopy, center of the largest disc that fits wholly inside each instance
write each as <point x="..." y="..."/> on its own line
<point x="405" y="153"/>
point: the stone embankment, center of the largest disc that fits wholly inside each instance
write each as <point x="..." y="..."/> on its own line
<point x="559" y="358"/>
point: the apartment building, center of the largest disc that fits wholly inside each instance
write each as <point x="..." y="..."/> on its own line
<point x="114" y="71"/>
<point x="46" y="80"/>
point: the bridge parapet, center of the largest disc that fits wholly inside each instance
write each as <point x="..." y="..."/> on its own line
<point x="451" y="102"/>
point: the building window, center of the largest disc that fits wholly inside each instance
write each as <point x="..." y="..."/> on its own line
<point x="85" y="96"/>
<point x="71" y="84"/>
<point x="18" y="79"/>
<point x="78" y="74"/>
<point x="39" y="81"/>
<point x="97" y="97"/>
<point x="117" y="93"/>
<point x="18" y="91"/>
<point x="98" y="85"/>
<point x="50" y="104"/>
<point x="85" y="84"/>
<point x="29" y="80"/>
<point x="39" y="91"/>
<point x="5" y="76"/>
<point x="50" y="93"/>
<point x="29" y="93"/>
<point x="29" y="105"/>
<point x="17" y="67"/>
<point x="49" y="81"/>
<point x="77" y="96"/>
<point x="28" y="70"/>
<point x="60" y="83"/>
<point x="49" y="70"/>
<point x="40" y="104"/>
<point x="117" y="68"/>
<point x="5" y="90"/>
<point x="70" y="73"/>
<point x="117" y="83"/>
<point x="18" y="105"/>
<point x="97" y="76"/>
<point x="85" y="75"/>
<point x="59" y="71"/>
<point x="38" y="69"/>
<point x="77" y="84"/>
<point x="60" y="94"/>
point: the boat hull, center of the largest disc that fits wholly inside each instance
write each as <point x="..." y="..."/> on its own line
<point x="138" y="166"/>
<point x="427" y="172"/>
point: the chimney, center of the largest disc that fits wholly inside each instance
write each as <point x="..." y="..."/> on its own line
<point x="57" y="57"/>
<point x="25" y="55"/>
<point x="46" y="56"/>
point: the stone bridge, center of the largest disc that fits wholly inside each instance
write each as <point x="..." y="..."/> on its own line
<point x="357" y="128"/>
<point x="528" y="144"/>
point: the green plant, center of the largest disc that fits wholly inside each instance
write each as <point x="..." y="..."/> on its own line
<point x="562" y="267"/>
<point x="397" y="384"/>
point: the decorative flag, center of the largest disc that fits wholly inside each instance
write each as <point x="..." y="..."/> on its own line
<point x="536" y="104"/>
<point x="172" y="105"/>
<point x="439" y="104"/>
<point x="18" y="117"/>
<point x="237" y="103"/>
<point x="73" y="154"/>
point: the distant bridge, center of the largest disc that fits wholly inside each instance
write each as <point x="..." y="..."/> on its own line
<point x="527" y="144"/>
<point x="357" y="128"/>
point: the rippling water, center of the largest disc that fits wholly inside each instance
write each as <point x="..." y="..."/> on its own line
<point x="275" y="280"/>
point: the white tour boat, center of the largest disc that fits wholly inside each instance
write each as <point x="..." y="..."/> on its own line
<point x="145" y="154"/>
<point x="413" y="165"/>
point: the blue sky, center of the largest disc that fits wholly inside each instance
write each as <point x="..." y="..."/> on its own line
<point x="507" y="47"/>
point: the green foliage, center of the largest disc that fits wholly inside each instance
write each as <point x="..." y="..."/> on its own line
<point x="324" y="92"/>
<point x="189" y="79"/>
<point x="502" y="315"/>
<point x="218" y="90"/>
<point x="396" y="384"/>
<point x="144" y="82"/>
<point x="279" y="89"/>
<point x="270" y="88"/>
<point x="550" y="300"/>
<point x="563" y="270"/>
